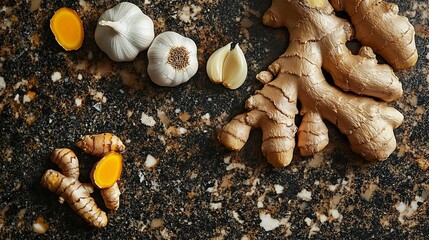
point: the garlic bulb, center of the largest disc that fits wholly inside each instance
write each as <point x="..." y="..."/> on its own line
<point x="123" y="31"/>
<point x="172" y="59"/>
<point x="228" y="67"/>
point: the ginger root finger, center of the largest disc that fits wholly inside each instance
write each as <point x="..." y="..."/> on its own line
<point x="235" y="134"/>
<point x="111" y="196"/>
<point x="67" y="161"/>
<point x="379" y="26"/>
<point x="357" y="73"/>
<point x="312" y="134"/>
<point x="100" y="144"/>
<point x="76" y="195"/>
<point x="318" y="40"/>
<point x="107" y="170"/>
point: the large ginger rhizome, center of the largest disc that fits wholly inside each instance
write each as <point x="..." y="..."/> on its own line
<point x="318" y="41"/>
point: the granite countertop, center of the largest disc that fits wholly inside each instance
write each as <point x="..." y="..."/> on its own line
<point x="198" y="189"/>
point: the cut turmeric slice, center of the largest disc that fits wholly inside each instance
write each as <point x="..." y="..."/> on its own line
<point x="67" y="28"/>
<point x="107" y="171"/>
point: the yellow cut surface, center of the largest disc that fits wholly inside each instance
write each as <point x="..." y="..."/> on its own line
<point x="107" y="171"/>
<point x="67" y="28"/>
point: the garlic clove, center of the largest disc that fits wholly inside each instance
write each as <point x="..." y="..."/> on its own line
<point x="172" y="59"/>
<point x="215" y="63"/>
<point x="234" y="68"/>
<point x="123" y="31"/>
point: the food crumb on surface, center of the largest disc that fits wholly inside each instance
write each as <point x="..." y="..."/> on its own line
<point x="147" y="120"/>
<point x="40" y="226"/>
<point x="237" y="217"/>
<point x="334" y="213"/>
<point x="215" y="206"/>
<point x="188" y="13"/>
<point x="78" y="102"/>
<point x="151" y="161"/>
<point x="267" y="222"/>
<point x="28" y="97"/>
<point x="304" y="195"/>
<point x="278" y="188"/>
<point x="156" y="223"/>
<point x="56" y="76"/>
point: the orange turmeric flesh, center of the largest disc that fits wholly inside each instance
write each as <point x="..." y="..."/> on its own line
<point x="107" y="171"/>
<point x="67" y="28"/>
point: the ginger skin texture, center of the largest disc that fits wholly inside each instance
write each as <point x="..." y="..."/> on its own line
<point x="318" y="41"/>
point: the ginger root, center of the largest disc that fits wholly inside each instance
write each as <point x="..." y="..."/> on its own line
<point x="100" y="144"/>
<point x="71" y="190"/>
<point x="318" y="40"/>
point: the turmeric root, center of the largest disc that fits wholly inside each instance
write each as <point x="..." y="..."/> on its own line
<point x="111" y="196"/>
<point x="76" y="195"/>
<point x="318" y="40"/>
<point x="100" y="144"/>
<point x="66" y="161"/>
<point x="107" y="171"/>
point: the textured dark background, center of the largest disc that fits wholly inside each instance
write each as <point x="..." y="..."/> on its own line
<point x="199" y="189"/>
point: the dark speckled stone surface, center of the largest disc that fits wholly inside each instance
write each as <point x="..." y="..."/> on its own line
<point x="198" y="190"/>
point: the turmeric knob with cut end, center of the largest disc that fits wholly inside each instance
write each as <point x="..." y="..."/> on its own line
<point x="107" y="171"/>
<point x="67" y="28"/>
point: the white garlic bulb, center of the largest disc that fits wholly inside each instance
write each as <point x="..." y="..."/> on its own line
<point x="172" y="59"/>
<point x="123" y="31"/>
<point x="227" y="66"/>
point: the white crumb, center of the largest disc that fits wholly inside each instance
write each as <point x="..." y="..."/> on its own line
<point x="278" y="188"/>
<point x="267" y="222"/>
<point x="147" y="120"/>
<point x="304" y="195"/>
<point x="55" y="76"/>
<point x="150" y="161"/>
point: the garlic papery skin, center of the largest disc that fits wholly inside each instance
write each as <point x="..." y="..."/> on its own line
<point x="123" y="31"/>
<point x="228" y="67"/>
<point x="172" y="59"/>
<point x="214" y="65"/>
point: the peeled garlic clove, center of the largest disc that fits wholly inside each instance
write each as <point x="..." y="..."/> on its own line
<point x="214" y="65"/>
<point x="172" y="59"/>
<point x="228" y="67"/>
<point x="123" y="31"/>
<point x="234" y="68"/>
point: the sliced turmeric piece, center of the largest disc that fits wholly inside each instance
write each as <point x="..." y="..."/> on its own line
<point x="67" y="28"/>
<point x="107" y="171"/>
